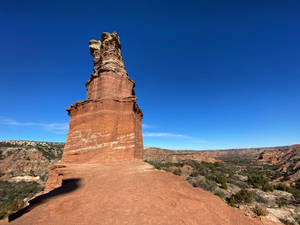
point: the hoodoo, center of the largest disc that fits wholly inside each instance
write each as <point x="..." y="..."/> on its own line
<point x="107" y="125"/>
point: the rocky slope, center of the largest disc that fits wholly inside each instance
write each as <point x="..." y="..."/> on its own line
<point x="23" y="171"/>
<point x="260" y="182"/>
<point x="28" y="160"/>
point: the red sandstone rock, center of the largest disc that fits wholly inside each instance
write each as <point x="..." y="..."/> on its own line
<point x="107" y="125"/>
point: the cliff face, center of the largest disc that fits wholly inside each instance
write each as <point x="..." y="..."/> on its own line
<point x="107" y="125"/>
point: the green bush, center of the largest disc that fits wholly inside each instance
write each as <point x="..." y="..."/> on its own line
<point x="282" y="187"/>
<point x="296" y="194"/>
<point x="267" y="187"/>
<point x="11" y="207"/>
<point x="157" y="165"/>
<point x="260" y="181"/>
<point x="206" y="184"/>
<point x="257" y="180"/>
<point x="195" y="174"/>
<point x="258" y="211"/>
<point x="281" y="202"/>
<point x="242" y="197"/>
<point x="177" y="172"/>
<point x="221" y="194"/>
<point x="297" y="184"/>
<point x="286" y="222"/>
<point x="221" y="179"/>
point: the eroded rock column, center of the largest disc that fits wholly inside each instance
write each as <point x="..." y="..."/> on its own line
<point x="107" y="125"/>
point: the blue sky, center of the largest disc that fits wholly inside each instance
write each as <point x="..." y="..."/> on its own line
<point x="209" y="74"/>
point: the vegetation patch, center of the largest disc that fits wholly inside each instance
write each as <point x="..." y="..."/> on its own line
<point x="13" y="194"/>
<point x="242" y="197"/>
<point x="259" y="211"/>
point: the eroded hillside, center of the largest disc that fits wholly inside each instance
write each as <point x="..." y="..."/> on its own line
<point x="24" y="170"/>
<point x="261" y="182"/>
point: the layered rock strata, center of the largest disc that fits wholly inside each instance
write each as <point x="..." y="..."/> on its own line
<point x="107" y="125"/>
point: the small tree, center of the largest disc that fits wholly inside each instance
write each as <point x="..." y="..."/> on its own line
<point x="242" y="197"/>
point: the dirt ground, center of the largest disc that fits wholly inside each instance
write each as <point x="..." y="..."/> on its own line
<point x="130" y="192"/>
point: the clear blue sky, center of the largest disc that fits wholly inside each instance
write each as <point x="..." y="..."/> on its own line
<point x="209" y="74"/>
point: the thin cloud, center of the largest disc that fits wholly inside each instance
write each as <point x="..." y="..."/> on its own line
<point x="171" y="135"/>
<point x="56" y="127"/>
<point x="156" y="134"/>
<point x="146" y="126"/>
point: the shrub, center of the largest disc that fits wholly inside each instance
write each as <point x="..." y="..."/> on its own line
<point x="157" y="166"/>
<point x="286" y="222"/>
<point x="219" y="164"/>
<point x="296" y="194"/>
<point x="259" y="211"/>
<point x="221" y="194"/>
<point x="195" y="174"/>
<point x="221" y="179"/>
<point x="267" y="187"/>
<point x="297" y="218"/>
<point x="281" y="202"/>
<point x="260" y="181"/>
<point x="206" y="184"/>
<point x="297" y="184"/>
<point x="11" y="207"/>
<point x="177" y="172"/>
<point x="257" y="180"/>
<point x="282" y="187"/>
<point x="242" y="197"/>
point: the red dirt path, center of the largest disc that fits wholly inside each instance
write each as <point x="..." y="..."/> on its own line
<point x="132" y="193"/>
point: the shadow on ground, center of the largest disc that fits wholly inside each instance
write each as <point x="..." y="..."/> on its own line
<point x="68" y="185"/>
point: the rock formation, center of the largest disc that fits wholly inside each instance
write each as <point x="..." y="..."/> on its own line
<point x="107" y="125"/>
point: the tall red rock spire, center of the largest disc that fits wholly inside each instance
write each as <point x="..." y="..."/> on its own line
<point x="107" y="125"/>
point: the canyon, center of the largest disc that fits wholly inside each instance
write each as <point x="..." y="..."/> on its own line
<point x="26" y="167"/>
